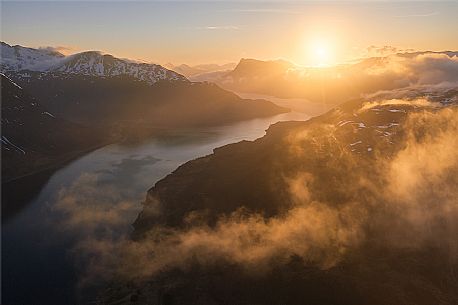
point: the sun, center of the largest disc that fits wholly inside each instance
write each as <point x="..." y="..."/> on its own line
<point x="320" y="53"/>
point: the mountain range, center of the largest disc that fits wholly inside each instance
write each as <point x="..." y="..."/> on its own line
<point x="55" y="107"/>
<point x="332" y="85"/>
<point x="92" y="63"/>
<point x="194" y="71"/>
<point x="355" y="206"/>
<point x="93" y="88"/>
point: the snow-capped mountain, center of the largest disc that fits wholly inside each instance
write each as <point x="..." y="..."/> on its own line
<point x="17" y="58"/>
<point x="96" y="64"/>
<point x="21" y="60"/>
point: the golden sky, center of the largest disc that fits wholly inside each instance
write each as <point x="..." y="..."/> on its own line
<point x="304" y="32"/>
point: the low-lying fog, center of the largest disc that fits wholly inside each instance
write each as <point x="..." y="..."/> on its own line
<point x="98" y="194"/>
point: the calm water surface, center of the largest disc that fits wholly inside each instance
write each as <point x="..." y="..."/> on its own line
<point x="39" y="265"/>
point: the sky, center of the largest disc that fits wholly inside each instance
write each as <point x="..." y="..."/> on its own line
<point x="304" y="32"/>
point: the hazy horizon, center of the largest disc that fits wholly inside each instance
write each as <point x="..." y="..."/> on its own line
<point x="307" y="33"/>
<point x="321" y="170"/>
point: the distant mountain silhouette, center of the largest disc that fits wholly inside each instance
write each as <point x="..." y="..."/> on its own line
<point x="194" y="71"/>
<point x="332" y="85"/>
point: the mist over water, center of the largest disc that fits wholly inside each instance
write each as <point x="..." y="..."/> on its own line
<point x="137" y="170"/>
<point x="97" y="196"/>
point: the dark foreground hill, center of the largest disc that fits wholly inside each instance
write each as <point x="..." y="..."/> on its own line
<point x="357" y="206"/>
<point x="33" y="138"/>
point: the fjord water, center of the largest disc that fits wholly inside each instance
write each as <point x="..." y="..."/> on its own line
<point x="96" y="196"/>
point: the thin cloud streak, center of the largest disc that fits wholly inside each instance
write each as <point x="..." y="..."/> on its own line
<point x="418" y="15"/>
<point x="254" y="10"/>
<point x="219" y="27"/>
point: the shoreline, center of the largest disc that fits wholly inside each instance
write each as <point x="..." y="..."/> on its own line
<point x="13" y="197"/>
<point x="59" y="163"/>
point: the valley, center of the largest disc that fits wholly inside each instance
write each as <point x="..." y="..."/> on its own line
<point x="229" y="152"/>
<point x="85" y="101"/>
<point x="308" y="211"/>
<point x="48" y="226"/>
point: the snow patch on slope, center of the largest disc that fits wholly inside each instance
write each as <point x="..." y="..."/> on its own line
<point x="20" y="60"/>
<point x="7" y="142"/>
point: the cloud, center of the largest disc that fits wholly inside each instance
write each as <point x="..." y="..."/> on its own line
<point x="428" y="155"/>
<point x="65" y="50"/>
<point x="403" y="68"/>
<point x="408" y="199"/>
<point x="404" y="199"/>
<point x="414" y="70"/>
<point x="261" y="11"/>
<point x="337" y="84"/>
<point x="422" y="183"/>
<point x="97" y="213"/>
<point x="316" y="232"/>
<point x="382" y="51"/>
<point x="417" y="15"/>
<point x="219" y="27"/>
<point x="91" y="205"/>
<point x="418" y="102"/>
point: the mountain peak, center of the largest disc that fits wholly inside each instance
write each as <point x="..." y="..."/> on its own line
<point x="249" y="66"/>
<point x="16" y="58"/>
<point x="91" y="63"/>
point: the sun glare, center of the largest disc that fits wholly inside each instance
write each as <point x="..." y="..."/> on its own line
<point x="320" y="54"/>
